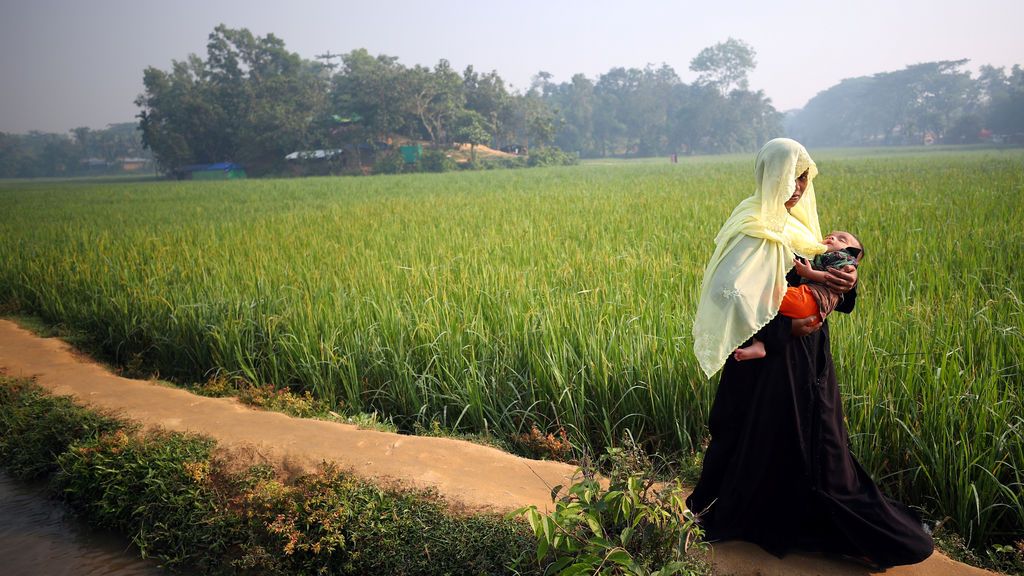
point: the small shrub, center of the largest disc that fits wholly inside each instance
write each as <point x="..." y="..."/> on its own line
<point x="1002" y="558"/>
<point x="1006" y="558"/>
<point x="282" y="400"/>
<point x="436" y="160"/>
<point x="551" y="156"/>
<point x="552" y="446"/>
<point x="331" y="523"/>
<point x="155" y="487"/>
<point x="36" y="427"/>
<point x="390" y="162"/>
<point x="628" y="528"/>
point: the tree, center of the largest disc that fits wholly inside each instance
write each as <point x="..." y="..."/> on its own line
<point x="469" y="129"/>
<point x="725" y="65"/>
<point x="180" y="123"/>
<point x="374" y="89"/>
<point x="576" y="101"/>
<point x="486" y="95"/>
<point x="538" y="119"/>
<point x="1006" y="102"/>
<point x="902" y="107"/>
<point x="436" y="98"/>
<point x="251" y="101"/>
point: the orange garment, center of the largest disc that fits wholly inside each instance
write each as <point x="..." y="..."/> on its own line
<point x="799" y="302"/>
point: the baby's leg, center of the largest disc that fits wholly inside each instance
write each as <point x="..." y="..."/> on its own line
<point x="752" y="352"/>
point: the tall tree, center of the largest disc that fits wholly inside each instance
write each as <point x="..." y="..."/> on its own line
<point x="436" y="97"/>
<point x="250" y="101"/>
<point x="373" y="89"/>
<point x="487" y="95"/>
<point x="920" y="103"/>
<point x="469" y="128"/>
<point x="725" y="65"/>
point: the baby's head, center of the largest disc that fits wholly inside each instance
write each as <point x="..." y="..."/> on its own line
<point x="838" y="240"/>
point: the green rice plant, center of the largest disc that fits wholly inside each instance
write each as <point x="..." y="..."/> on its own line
<point x="561" y="298"/>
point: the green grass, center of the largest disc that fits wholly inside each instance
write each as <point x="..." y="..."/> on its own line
<point x="557" y="297"/>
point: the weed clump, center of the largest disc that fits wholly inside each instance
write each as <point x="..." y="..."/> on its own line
<point x="550" y="446"/>
<point x="631" y="527"/>
<point x="35" y="428"/>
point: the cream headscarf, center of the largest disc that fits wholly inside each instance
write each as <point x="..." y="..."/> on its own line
<point x="746" y="278"/>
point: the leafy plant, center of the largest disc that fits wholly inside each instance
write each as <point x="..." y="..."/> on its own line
<point x="436" y="160"/>
<point x="628" y="528"/>
<point x="390" y="162"/>
<point x="153" y="487"/>
<point x="36" y="427"/>
<point x="536" y="444"/>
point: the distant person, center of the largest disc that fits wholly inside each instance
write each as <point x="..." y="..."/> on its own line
<point x="778" y="470"/>
<point x="812" y="297"/>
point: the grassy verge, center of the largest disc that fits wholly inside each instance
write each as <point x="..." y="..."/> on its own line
<point x="180" y="505"/>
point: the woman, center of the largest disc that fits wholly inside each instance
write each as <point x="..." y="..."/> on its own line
<point x="778" y="470"/>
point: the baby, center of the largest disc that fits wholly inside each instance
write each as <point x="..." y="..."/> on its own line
<point x="813" y="297"/>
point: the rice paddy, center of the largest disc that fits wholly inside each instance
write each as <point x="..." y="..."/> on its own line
<point x="494" y="301"/>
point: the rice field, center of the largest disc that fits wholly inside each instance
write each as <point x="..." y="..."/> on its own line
<point x="495" y="301"/>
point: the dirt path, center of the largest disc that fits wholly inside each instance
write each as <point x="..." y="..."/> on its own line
<point x="469" y="475"/>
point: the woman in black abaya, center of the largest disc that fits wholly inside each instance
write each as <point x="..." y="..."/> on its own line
<point x="778" y="470"/>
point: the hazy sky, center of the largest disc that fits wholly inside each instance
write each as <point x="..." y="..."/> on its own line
<point x="79" y="63"/>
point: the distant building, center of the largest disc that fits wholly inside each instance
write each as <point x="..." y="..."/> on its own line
<point x="94" y="163"/>
<point x="315" y="154"/>
<point x="133" y="164"/>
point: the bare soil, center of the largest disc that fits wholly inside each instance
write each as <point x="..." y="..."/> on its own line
<point x="470" y="477"/>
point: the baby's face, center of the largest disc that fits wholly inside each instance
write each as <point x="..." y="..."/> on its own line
<point x="838" y="240"/>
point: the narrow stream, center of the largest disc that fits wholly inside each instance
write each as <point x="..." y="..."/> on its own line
<point x="38" y="536"/>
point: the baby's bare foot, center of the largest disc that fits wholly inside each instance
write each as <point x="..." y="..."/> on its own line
<point x="752" y="352"/>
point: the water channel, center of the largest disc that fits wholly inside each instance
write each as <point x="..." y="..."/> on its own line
<point x="39" y="535"/>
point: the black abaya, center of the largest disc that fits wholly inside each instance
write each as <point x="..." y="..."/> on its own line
<point x="778" y="470"/>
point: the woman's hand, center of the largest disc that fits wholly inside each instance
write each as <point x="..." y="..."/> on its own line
<point x="841" y="281"/>
<point x="803" y="326"/>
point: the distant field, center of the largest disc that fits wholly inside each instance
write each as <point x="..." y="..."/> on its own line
<point x="492" y="301"/>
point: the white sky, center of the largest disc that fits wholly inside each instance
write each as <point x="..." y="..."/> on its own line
<point x="68" y="63"/>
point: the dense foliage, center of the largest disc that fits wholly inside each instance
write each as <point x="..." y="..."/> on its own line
<point x="929" y="103"/>
<point x="36" y="428"/>
<point x="628" y="527"/>
<point x="253" y="102"/>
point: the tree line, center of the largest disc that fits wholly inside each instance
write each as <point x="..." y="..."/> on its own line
<point x="932" y="102"/>
<point x="253" y="102"/>
<point x="84" y="151"/>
